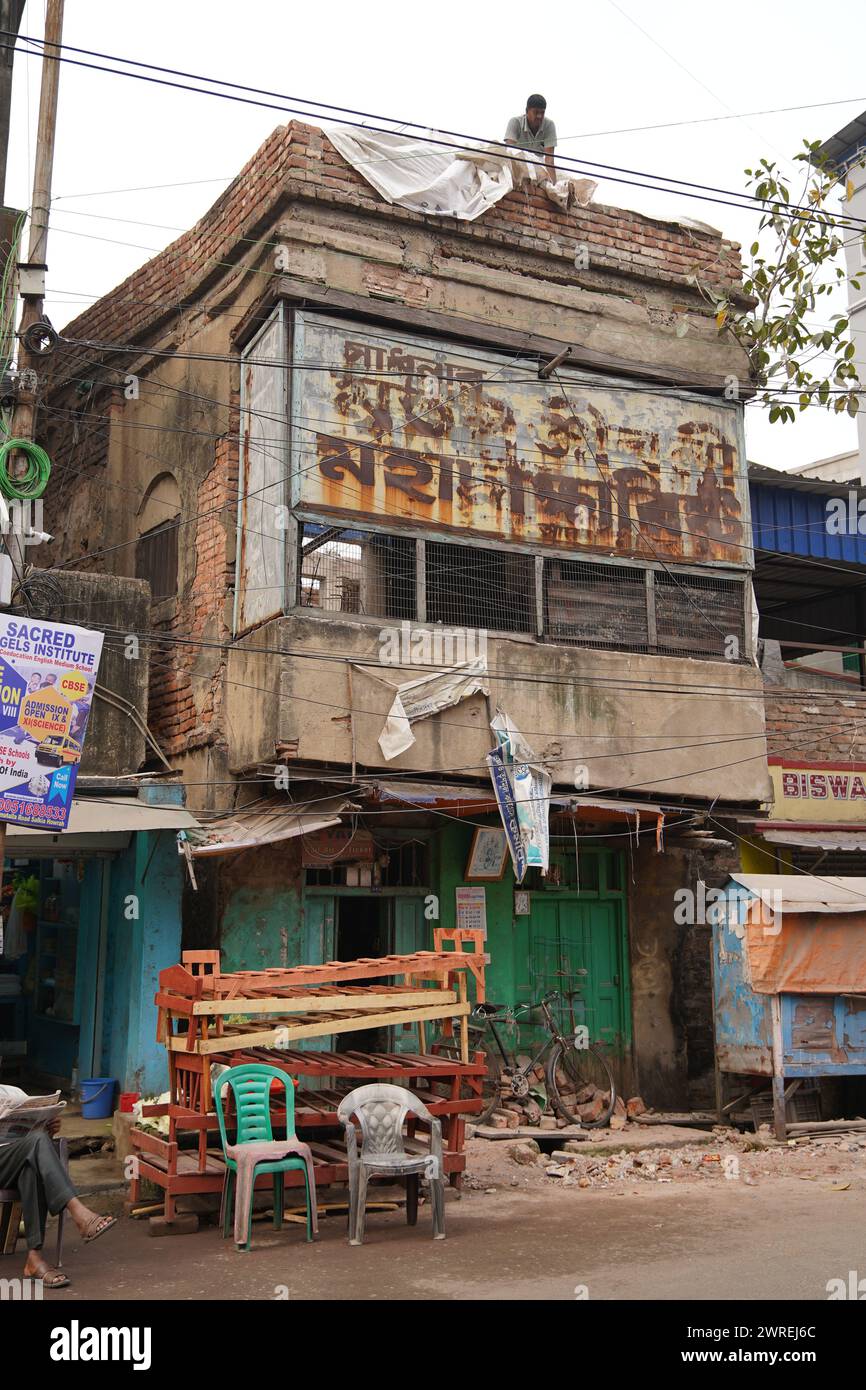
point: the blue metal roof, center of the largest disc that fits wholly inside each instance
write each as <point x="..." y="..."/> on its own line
<point x="796" y="521"/>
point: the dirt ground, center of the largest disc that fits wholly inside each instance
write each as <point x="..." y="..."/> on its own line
<point x="723" y="1156"/>
<point x="708" y="1217"/>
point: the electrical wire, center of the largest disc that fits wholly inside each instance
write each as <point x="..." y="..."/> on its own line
<point x="802" y="212"/>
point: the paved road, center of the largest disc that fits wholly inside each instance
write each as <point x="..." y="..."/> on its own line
<point x="783" y="1239"/>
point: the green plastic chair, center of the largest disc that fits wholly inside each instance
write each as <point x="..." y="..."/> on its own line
<point x="251" y="1086"/>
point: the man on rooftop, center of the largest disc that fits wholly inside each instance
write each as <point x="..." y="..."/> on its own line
<point x="534" y="132"/>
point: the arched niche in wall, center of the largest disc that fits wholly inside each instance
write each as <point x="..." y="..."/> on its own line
<point x="157" y="526"/>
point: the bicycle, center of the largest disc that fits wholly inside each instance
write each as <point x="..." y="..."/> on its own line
<point x="575" y="1072"/>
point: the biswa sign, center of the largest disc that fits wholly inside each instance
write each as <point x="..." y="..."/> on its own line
<point x="819" y="791"/>
<point x="839" y="786"/>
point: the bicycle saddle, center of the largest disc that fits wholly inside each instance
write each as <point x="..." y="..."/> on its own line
<point x="489" y="1008"/>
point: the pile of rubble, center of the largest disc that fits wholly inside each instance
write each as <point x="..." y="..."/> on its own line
<point x="723" y="1154"/>
<point x="589" y="1103"/>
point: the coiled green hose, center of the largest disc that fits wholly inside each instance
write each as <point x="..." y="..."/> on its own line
<point x="34" y="482"/>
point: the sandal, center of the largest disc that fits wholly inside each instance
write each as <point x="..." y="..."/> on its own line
<point x="51" y="1278"/>
<point x="97" y="1227"/>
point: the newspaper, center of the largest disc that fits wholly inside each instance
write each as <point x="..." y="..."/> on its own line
<point x="20" y="1114"/>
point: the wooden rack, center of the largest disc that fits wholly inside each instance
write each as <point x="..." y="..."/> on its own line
<point x="281" y="1007"/>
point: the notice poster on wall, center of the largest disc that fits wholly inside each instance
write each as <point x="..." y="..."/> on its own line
<point x="472" y="909"/>
<point x="47" y="681"/>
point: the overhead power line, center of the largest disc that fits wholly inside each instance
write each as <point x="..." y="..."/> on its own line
<point x="459" y="141"/>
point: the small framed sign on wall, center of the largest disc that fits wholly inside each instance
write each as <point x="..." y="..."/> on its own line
<point x="488" y="854"/>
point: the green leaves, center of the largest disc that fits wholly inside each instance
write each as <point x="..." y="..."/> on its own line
<point x="800" y="262"/>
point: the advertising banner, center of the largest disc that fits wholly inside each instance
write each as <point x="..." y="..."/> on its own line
<point x="507" y="810"/>
<point x="527" y="801"/>
<point x="47" y="680"/>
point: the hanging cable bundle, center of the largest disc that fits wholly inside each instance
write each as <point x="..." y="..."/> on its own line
<point x="32" y="483"/>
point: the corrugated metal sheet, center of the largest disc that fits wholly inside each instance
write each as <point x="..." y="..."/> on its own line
<point x="466" y="441"/>
<point x="817" y="839"/>
<point x="793" y="521"/>
<point x="805" y="892"/>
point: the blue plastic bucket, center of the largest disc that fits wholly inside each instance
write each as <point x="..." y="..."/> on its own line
<point x="97" y="1097"/>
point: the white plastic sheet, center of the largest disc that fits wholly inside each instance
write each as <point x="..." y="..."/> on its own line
<point x="419" y="699"/>
<point x="443" y="181"/>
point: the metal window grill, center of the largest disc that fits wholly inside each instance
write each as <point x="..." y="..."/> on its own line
<point x="347" y="571"/>
<point x="631" y="609"/>
<point x="700" y="615"/>
<point x="586" y="603"/>
<point x="596" y="605"/>
<point x="469" y="587"/>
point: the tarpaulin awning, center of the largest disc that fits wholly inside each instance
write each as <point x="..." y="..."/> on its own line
<point x="99" y="823"/>
<point x="267" y="822"/>
<point x="463" y="800"/>
<point x="808" y="936"/>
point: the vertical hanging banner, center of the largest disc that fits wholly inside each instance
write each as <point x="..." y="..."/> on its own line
<point x="47" y="682"/>
<point x="507" y="810"/>
<point x="523" y="795"/>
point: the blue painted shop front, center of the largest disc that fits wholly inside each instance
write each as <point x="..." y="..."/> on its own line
<point x="104" y="925"/>
<point x="789" y="980"/>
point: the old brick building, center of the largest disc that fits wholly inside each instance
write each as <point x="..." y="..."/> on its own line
<point x="315" y="425"/>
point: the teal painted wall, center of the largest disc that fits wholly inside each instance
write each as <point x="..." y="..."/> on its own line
<point x="261" y="917"/>
<point x="137" y="948"/>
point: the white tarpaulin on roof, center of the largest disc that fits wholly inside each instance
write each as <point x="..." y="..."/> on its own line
<point x="806" y="893"/>
<point x="444" y="181"/>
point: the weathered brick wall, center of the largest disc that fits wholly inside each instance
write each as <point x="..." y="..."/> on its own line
<point x="817" y="726"/>
<point x="299" y="159"/>
<point x="671" y="982"/>
<point x="77" y="433"/>
<point x="186" y="304"/>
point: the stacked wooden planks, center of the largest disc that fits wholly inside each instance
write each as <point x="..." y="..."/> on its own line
<point x="210" y="1012"/>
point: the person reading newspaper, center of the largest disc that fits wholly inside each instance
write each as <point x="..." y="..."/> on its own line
<point x="30" y="1162"/>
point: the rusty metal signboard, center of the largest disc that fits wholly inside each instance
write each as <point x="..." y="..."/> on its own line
<point x="397" y="429"/>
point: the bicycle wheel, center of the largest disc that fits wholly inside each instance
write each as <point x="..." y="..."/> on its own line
<point x="572" y="1072"/>
<point x="490" y="1089"/>
<point x="491" y="1094"/>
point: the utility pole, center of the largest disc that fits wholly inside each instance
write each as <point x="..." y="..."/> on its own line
<point x="33" y="272"/>
<point x="10" y="22"/>
<point x="10" y="218"/>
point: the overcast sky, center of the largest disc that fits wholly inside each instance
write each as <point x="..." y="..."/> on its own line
<point x="449" y="65"/>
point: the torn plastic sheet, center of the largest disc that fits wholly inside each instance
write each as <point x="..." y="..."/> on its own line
<point x="442" y="181"/>
<point x="428" y="695"/>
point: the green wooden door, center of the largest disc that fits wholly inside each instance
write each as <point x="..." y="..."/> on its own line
<point x="577" y="941"/>
<point x="318" y="938"/>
